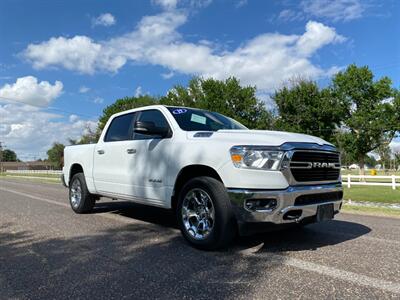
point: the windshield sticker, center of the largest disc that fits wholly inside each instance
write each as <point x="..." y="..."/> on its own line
<point x="179" y="111"/>
<point x="198" y="119"/>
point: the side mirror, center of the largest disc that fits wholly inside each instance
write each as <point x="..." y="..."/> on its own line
<point x="149" y="128"/>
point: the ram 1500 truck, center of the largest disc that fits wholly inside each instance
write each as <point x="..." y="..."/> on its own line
<point x="218" y="176"/>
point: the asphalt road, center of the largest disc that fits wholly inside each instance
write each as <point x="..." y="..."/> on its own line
<point x="123" y="250"/>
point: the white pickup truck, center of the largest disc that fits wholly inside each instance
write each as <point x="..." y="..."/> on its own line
<point x="218" y="176"/>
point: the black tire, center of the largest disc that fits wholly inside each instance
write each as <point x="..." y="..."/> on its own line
<point x="87" y="200"/>
<point x="224" y="227"/>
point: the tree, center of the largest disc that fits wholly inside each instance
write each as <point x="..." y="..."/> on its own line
<point x="370" y="111"/>
<point x="227" y="97"/>
<point x="304" y="107"/>
<point x="9" y="155"/>
<point x="385" y="154"/>
<point x="396" y="154"/>
<point x="90" y="137"/>
<point x="56" y="155"/>
<point x="370" y="161"/>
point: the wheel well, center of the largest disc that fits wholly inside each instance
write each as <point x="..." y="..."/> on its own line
<point x="75" y="168"/>
<point x="188" y="173"/>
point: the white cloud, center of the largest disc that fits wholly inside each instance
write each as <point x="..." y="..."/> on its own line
<point x="73" y="118"/>
<point x="84" y="89"/>
<point x="79" y="53"/>
<point x="28" y="90"/>
<point x="395" y="145"/>
<point x="172" y="4"/>
<point x="168" y="75"/>
<point x="338" y="10"/>
<point x="265" y="61"/>
<point x="290" y="15"/>
<point x="240" y="3"/>
<point x="98" y="100"/>
<point x="316" y="36"/>
<point x="138" y="91"/>
<point x="106" y="19"/>
<point x="166" y="4"/>
<point x="31" y="131"/>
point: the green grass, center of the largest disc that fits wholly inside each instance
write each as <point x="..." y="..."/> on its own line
<point x="368" y="172"/>
<point x="382" y="194"/>
<point x="30" y="175"/>
<point x="373" y="211"/>
<point x="46" y="178"/>
<point x="41" y="180"/>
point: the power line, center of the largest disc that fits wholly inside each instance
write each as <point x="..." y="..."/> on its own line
<point x="20" y="101"/>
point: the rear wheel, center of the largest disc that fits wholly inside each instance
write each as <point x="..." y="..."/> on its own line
<point x="80" y="199"/>
<point x="204" y="214"/>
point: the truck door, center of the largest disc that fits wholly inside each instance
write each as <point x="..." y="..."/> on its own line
<point x="151" y="160"/>
<point x="114" y="158"/>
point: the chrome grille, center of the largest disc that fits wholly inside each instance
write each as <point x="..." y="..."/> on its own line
<point x="307" y="166"/>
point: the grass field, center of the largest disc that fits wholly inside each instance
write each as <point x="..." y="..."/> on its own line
<point x="382" y="194"/>
<point x="368" y="172"/>
<point x="31" y="175"/>
<point x="373" y="211"/>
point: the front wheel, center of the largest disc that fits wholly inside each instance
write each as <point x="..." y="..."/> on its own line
<point x="80" y="199"/>
<point x="204" y="214"/>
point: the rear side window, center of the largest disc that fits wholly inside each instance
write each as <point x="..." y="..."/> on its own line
<point x="120" y="128"/>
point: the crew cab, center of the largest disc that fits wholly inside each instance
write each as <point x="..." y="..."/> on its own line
<point x="220" y="178"/>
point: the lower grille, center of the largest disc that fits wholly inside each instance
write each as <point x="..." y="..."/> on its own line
<point x="318" y="198"/>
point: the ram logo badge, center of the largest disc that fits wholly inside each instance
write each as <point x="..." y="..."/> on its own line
<point x="323" y="165"/>
<point x="155" y="180"/>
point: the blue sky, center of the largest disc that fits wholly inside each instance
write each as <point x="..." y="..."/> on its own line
<point x="79" y="56"/>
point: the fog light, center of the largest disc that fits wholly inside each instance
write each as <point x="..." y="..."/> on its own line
<point x="261" y="204"/>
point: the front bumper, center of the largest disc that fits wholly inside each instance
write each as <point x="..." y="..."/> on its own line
<point x="285" y="206"/>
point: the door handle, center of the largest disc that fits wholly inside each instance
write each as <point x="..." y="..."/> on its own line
<point x="100" y="151"/>
<point x="131" y="151"/>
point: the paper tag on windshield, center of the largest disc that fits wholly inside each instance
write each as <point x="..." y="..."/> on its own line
<point x="198" y="119"/>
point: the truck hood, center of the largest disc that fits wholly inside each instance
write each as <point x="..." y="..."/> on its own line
<point x="256" y="137"/>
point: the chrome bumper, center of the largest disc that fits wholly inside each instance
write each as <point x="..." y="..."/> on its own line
<point x="285" y="203"/>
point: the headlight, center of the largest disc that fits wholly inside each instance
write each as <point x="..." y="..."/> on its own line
<point x="256" y="158"/>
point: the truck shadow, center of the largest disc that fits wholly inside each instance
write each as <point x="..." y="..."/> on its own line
<point x="310" y="237"/>
<point x="138" y="261"/>
<point x="149" y="214"/>
<point x="150" y="259"/>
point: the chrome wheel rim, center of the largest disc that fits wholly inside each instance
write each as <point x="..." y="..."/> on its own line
<point x="198" y="214"/>
<point x="76" y="193"/>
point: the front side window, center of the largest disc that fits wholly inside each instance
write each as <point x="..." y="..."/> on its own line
<point x="154" y="116"/>
<point x="120" y="128"/>
<point x="190" y="119"/>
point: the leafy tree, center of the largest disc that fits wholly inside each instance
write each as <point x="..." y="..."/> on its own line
<point x="304" y="107"/>
<point x="385" y="154"/>
<point x="9" y="155"/>
<point x="396" y="154"/>
<point x="90" y="137"/>
<point x="370" y="161"/>
<point x="370" y="111"/>
<point x="56" y="155"/>
<point x="227" y="97"/>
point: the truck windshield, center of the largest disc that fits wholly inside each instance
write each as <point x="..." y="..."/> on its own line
<point x="202" y="120"/>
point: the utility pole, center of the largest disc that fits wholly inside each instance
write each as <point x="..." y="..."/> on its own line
<point x="1" y="157"/>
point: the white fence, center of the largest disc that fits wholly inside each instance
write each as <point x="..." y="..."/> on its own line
<point x="362" y="180"/>
<point x="54" y="172"/>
